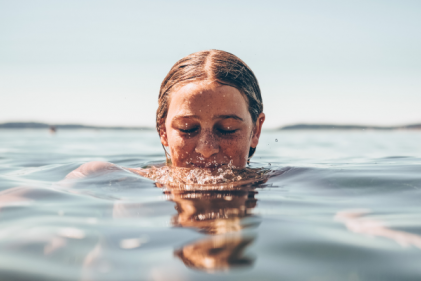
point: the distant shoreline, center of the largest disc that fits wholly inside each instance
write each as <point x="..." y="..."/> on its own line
<point x="45" y="126"/>
<point x="349" y="127"/>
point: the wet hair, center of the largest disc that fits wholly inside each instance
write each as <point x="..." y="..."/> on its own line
<point x="215" y="66"/>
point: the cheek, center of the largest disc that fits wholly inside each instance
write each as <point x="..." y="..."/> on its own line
<point x="237" y="148"/>
<point x="180" y="148"/>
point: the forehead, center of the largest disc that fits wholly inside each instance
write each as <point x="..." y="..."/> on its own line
<point x="207" y="98"/>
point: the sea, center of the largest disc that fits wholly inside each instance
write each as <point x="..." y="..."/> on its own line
<point x="336" y="205"/>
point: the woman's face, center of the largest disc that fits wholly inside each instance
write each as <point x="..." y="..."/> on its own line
<point x="209" y="125"/>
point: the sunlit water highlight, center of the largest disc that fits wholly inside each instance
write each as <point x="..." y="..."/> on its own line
<point x="330" y="206"/>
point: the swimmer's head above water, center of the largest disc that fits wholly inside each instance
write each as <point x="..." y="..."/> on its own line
<point x="210" y="111"/>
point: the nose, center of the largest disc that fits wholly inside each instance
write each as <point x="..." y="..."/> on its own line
<point x="207" y="145"/>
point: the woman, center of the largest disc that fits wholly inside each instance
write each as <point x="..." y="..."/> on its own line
<point x="210" y="114"/>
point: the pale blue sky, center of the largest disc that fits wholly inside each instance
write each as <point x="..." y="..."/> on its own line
<point x="102" y="62"/>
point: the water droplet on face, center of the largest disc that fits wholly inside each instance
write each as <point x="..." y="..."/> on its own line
<point x="276" y="140"/>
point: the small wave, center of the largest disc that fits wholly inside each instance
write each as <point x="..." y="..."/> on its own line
<point x="223" y="178"/>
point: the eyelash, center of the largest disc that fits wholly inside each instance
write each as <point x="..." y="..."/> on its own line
<point x="222" y="132"/>
<point x="188" y="131"/>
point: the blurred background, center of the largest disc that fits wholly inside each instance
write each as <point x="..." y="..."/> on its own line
<point x="101" y="62"/>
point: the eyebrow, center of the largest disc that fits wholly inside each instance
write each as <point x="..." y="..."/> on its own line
<point x="185" y="117"/>
<point x="233" y="116"/>
<point x="228" y="116"/>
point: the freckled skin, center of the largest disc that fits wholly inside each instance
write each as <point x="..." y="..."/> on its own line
<point x="209" y="125"/>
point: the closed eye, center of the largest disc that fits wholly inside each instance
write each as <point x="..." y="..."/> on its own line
<point x="189" y="131"/>
<point x="226" y="132"/>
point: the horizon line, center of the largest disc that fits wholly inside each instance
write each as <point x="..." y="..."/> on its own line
<point x="295" y="126"/>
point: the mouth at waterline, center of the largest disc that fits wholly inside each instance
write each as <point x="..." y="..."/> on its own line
<point x="209" y="165"/>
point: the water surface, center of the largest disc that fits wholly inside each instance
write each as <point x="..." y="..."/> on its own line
<point x="341" y="206"/>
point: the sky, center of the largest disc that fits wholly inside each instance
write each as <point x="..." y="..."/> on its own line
<point x="102" y="62"/>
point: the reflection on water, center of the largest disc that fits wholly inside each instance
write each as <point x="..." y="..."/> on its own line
<point x="346" y="209"/>
<point x="216" y="253"/>
<point x="222" y="215"/>
<point x="216" y="202"/>
<point x="214" y="212"/>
